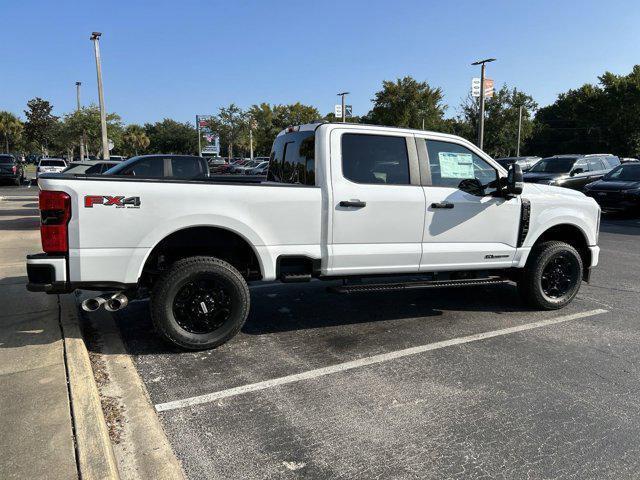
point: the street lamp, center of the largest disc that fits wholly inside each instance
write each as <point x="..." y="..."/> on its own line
<point x="78" y="101"/>
<point x="481" y="124"/>
<point x="95" y="37"/>
<point x="344" y="111"/>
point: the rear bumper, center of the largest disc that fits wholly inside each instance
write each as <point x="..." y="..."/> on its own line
<point x="47" y="273"/>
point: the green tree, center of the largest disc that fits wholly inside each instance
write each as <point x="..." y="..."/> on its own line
<point x="407" y="103"/>
<point x="270" y="120"/>
<point x="134" y="139"/>
<point x="10" y="129"/>
<point x="592" y="119"/>
<point x="86" y="121"/>
<point x="169" y="136"/>
<point x="39" y="128"/>
<point x="232" y="124"/>
<point x="501" y="121"/>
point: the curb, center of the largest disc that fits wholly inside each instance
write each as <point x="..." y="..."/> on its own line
<point x="96" y="459"/>
<point x="147" y="453"/>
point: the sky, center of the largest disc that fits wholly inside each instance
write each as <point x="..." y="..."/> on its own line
<point x="175" y="59"/>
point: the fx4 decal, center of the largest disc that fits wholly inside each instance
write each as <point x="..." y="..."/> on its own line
<point x="108" y="200"/>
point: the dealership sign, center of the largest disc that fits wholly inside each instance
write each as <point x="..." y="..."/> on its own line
<point x="211" y="139"/>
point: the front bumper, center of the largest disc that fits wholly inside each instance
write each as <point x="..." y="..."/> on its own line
<point x="47" y="273"/>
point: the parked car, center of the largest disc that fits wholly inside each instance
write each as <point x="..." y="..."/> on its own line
<point x="618" y="190"/>
<point x="373" y="204"/>
<point x="89" y="168"/>
<point x="260" y="169"/>
<point x="50" y="165"/>
<point x="628" y="159"/>
<point x="117" y="158"/>
<point x="571" y="171"/>
<point x="163" y="166"/>
<point x="525" y="162"/>
<point x="11" y="169"/>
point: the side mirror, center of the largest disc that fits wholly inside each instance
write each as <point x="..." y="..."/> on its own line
<point x="576" y="172"/>
<point x="515" y="181"/>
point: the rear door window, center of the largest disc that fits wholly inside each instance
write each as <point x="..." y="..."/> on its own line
<point x="375" y="159"/>
<point x="186" y="167"/>
<point x="293" y="159"/>
<point x="146" y="168"/>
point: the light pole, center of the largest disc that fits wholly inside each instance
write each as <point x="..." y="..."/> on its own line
<point x="344" y="111"/>
<point x="481" y="123"/>
<point x="95" y="36"/>
<point x="199" y="135"/>
<point x="81" y="140"/>
<point x="519" y="130"/>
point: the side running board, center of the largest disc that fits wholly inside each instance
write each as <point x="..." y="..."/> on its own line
<point x="383" y="287"/>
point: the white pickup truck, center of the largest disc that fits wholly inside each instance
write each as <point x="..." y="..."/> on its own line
<point x="341" y="201"/>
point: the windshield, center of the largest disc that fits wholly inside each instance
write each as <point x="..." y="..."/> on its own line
<point x="6" y="159"/>
<point x="628" y="172"/>
<point x="52" y="163"/>
<point x="77" y="168"/>
<point x="554" y="165"/>
<point x="121" y="166"/>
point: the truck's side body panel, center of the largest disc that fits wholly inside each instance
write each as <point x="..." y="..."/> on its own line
<point x="111" y="243"/>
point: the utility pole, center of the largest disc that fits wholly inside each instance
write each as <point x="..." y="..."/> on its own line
<point x="82" y="134"/>
<point x="199" y="139"/>
<point x="519" y="130"/>
<point x="251" y="139"/>
<point x="95" y="36"/>
<point x="481" y="122"/>
<point x="344" y="110"/>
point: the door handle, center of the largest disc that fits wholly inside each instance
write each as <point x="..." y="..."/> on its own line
<point x="353" y="203"/>
<point x="442" y="205"/>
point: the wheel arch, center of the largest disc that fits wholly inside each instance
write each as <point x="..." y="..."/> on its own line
<point x="212" y="240"/>
<point x="571" y="234"/>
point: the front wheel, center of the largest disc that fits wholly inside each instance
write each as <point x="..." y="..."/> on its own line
<point x="552" y="276"/>
<point x="200" y="303"/>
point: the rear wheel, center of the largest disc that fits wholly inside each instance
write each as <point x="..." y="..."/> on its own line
<point x="552" y="276"/>
<point x="200" y="303"/>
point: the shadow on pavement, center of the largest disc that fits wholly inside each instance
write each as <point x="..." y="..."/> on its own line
<point x="25" y="223"/>
<point x="288" y="308"/>
<point x="17" y="212"/>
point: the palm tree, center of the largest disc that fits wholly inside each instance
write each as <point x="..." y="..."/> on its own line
<point x="135" y="138"/>
<point x="10" y="128"/>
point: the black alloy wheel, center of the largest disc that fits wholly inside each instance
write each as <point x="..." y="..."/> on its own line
<point x="202" y="304"/>
<point x="559" y="275"/>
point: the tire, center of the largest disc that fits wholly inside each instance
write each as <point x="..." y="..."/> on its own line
<point x="544" y="284"/>
<point x="200" y="303"/>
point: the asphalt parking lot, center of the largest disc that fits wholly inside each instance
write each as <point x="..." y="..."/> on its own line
<point x="415" y="384"/>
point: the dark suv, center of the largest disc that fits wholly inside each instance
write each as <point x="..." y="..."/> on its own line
<point x="11" y="169"/>
<point x="571" y="171"/>
<point x="163" y="166"/>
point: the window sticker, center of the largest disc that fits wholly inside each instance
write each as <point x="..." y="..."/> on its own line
<point x="456" y="165"/>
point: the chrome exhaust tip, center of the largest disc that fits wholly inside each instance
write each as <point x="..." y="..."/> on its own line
<point x="93" y="304"/>
<point x="117" y="302"/>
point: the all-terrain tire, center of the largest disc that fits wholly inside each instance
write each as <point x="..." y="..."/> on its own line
<point x="530" y="283"/>
<point x="188" y="270"/>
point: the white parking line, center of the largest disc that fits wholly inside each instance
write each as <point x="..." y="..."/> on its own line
<point x="362" y="362"/>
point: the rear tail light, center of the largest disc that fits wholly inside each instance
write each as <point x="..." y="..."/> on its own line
<point x="14" y="169"/>
<point x="55" y="213"/>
